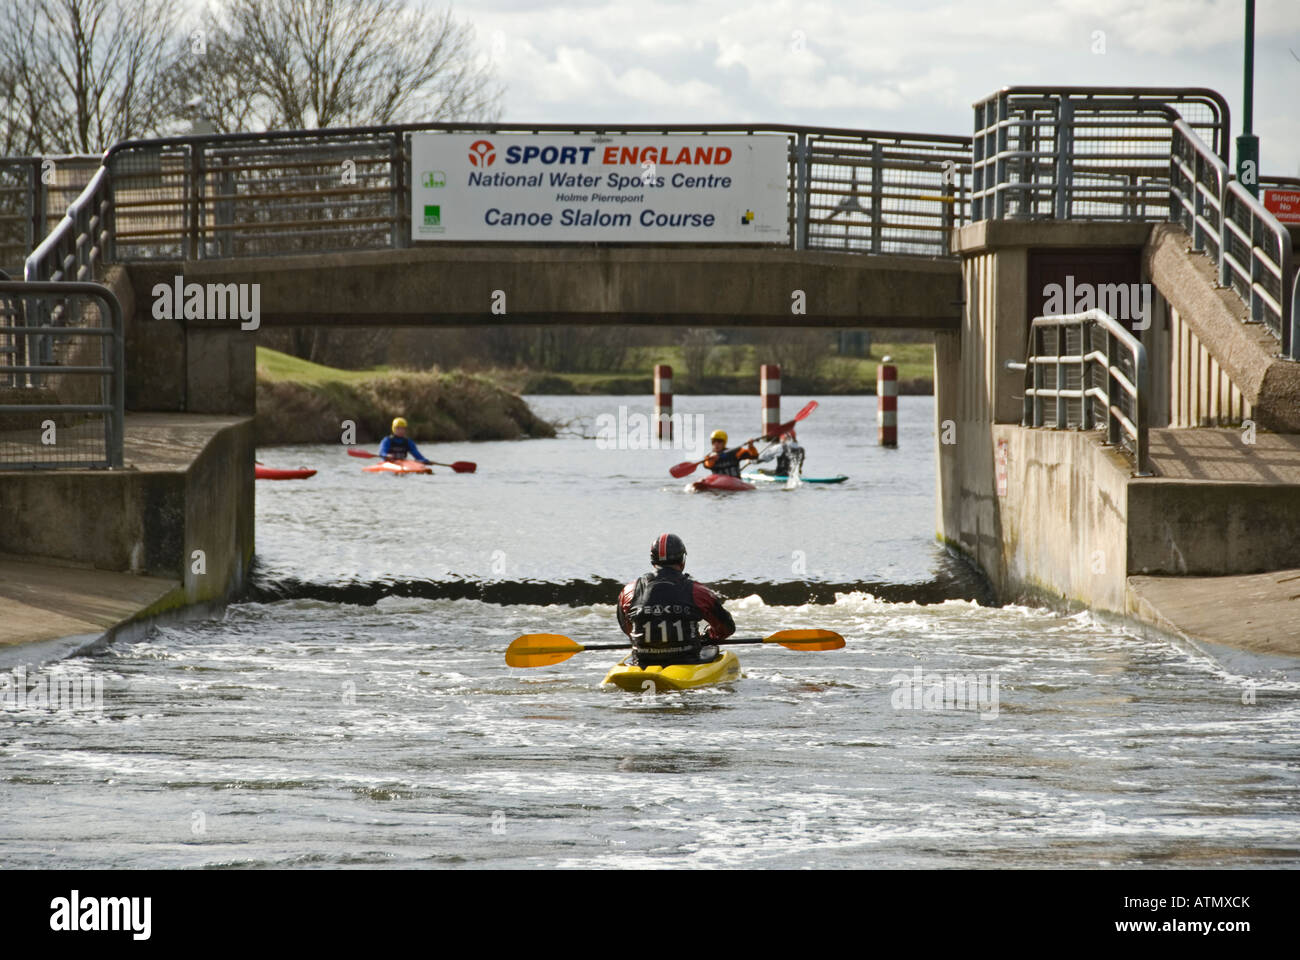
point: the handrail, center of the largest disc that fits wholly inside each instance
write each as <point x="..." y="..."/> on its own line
<point x="29" y="188"/>
<point x="1251" y="249"/>
<point x="1220" y="117"/>
<point x="77" y="244"/>
<point x="1071" y="152"/>
<point x="27" y="377"/>
<point x="1121" y="362"/>
<point x="1197" y="179"/>
<point x="1256" y="261"/>
<point x="577" y="129"/>
<point x="255" y="194"/>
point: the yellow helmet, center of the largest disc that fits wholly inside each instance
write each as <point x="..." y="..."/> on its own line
<point x="398" y="422"/>
<point x="719" y="435"/>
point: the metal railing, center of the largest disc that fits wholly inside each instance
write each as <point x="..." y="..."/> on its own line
<point x="266" y="194"/>
<point x="877" y="192"/>
<point x="1255" y="259"/>
<point x="78" y="244"/>
<point x="1084" y="153"/>
<point x="62" y="387"/>
<point x="1197" y="178"/>
<point x="1251" y="250"/>
<point x="1086" y="371"/>
<point x="1268" y="182"/>
<point x="33" y="192"/>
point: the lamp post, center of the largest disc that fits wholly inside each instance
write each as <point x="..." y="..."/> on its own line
<point x="1248" y="143"/>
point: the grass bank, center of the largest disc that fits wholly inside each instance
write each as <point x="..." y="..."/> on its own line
<point x="303" y="402"/>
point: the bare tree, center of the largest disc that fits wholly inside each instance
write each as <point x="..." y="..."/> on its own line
<point x="78" y="75"/>
<point x="210" y="79"/>
<point x="303" y="64"/>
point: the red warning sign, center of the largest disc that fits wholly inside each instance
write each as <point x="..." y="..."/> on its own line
<point x="1283" y="204"/>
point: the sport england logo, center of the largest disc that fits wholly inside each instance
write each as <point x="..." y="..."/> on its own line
<point x="482" y="154"/>
<point x="435" y="178"/>
<point x="432" y="215"/>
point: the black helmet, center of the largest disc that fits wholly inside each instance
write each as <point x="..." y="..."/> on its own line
<point x="667" y="548"/>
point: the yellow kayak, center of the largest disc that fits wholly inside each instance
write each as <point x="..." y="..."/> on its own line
<point x="680" y="676"/>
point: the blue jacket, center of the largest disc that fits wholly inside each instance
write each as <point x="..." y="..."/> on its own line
<point x="398" y="447"/>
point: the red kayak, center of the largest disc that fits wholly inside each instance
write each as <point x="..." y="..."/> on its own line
<point x="266" y="473"/>
<point x="398" y="467"/>
<point x="720" y="482"/>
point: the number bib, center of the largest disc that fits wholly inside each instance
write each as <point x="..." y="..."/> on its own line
<point x="664" y="616"/>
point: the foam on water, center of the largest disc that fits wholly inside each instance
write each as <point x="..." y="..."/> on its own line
<point x="360" y="711"/>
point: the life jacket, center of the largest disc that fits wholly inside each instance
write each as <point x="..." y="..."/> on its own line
<point x="728" y="461"/>
<point x="663" y="614"/>
<point x="791" y="453"/>
<point x="399" y="448"/>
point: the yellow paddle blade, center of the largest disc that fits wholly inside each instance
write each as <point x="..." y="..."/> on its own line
<point x="541" y="650"/>
<point x="806" y="639"/>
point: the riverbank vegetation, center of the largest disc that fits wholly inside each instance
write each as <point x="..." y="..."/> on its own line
<point x="621" y="360"/>
<point x="303" y="402"/>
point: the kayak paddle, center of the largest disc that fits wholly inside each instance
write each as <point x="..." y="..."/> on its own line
<point x="460" y="466"/>
<point x="544" y="649"/>
<point x="687" y="467"/>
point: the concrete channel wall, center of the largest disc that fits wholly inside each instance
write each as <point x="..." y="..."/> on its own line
<point x="193" y="366"/>
<point x="188" y="487"/>
<point x="1062" y="521"/>
<point x="1055" y="516"/>
<point x="1070" y="525"/>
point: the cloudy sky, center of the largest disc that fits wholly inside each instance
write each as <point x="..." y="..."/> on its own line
<point x="911" y="65"/>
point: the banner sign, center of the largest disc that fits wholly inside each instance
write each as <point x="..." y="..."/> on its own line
<point x="679" y="188"/>
<point x="1283" y="204"/>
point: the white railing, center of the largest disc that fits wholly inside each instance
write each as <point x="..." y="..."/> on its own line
<point x="1083" y="153"/>
<point x="1251" y="250"/>
<point x="1086" y="371"/>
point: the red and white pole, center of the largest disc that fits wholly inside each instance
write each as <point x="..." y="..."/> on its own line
<point x="887" y="404"/>
<point x="769" y="378"/>
<point x="664" y="401"/>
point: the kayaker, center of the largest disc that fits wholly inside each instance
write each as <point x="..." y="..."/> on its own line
<point x="661" y="611"/>
<point x="725" y="461"/>
<point x="397" y="445"/>
<point x="787" y="452"/>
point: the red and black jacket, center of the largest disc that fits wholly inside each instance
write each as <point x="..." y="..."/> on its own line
<point x="661" y="612"/>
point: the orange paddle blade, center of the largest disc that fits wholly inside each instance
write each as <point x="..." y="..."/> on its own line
<point x="541" y="650"/>
<point x="806" y="639"/>
<point x="464" y="466"/>
<point x="682" y="469"/>
<point x="361" y="453"/>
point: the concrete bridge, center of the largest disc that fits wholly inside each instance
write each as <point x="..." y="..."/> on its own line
<point x="961" y="236"/>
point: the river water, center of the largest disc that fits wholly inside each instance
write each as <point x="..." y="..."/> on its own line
<point x="357" y="711"/>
